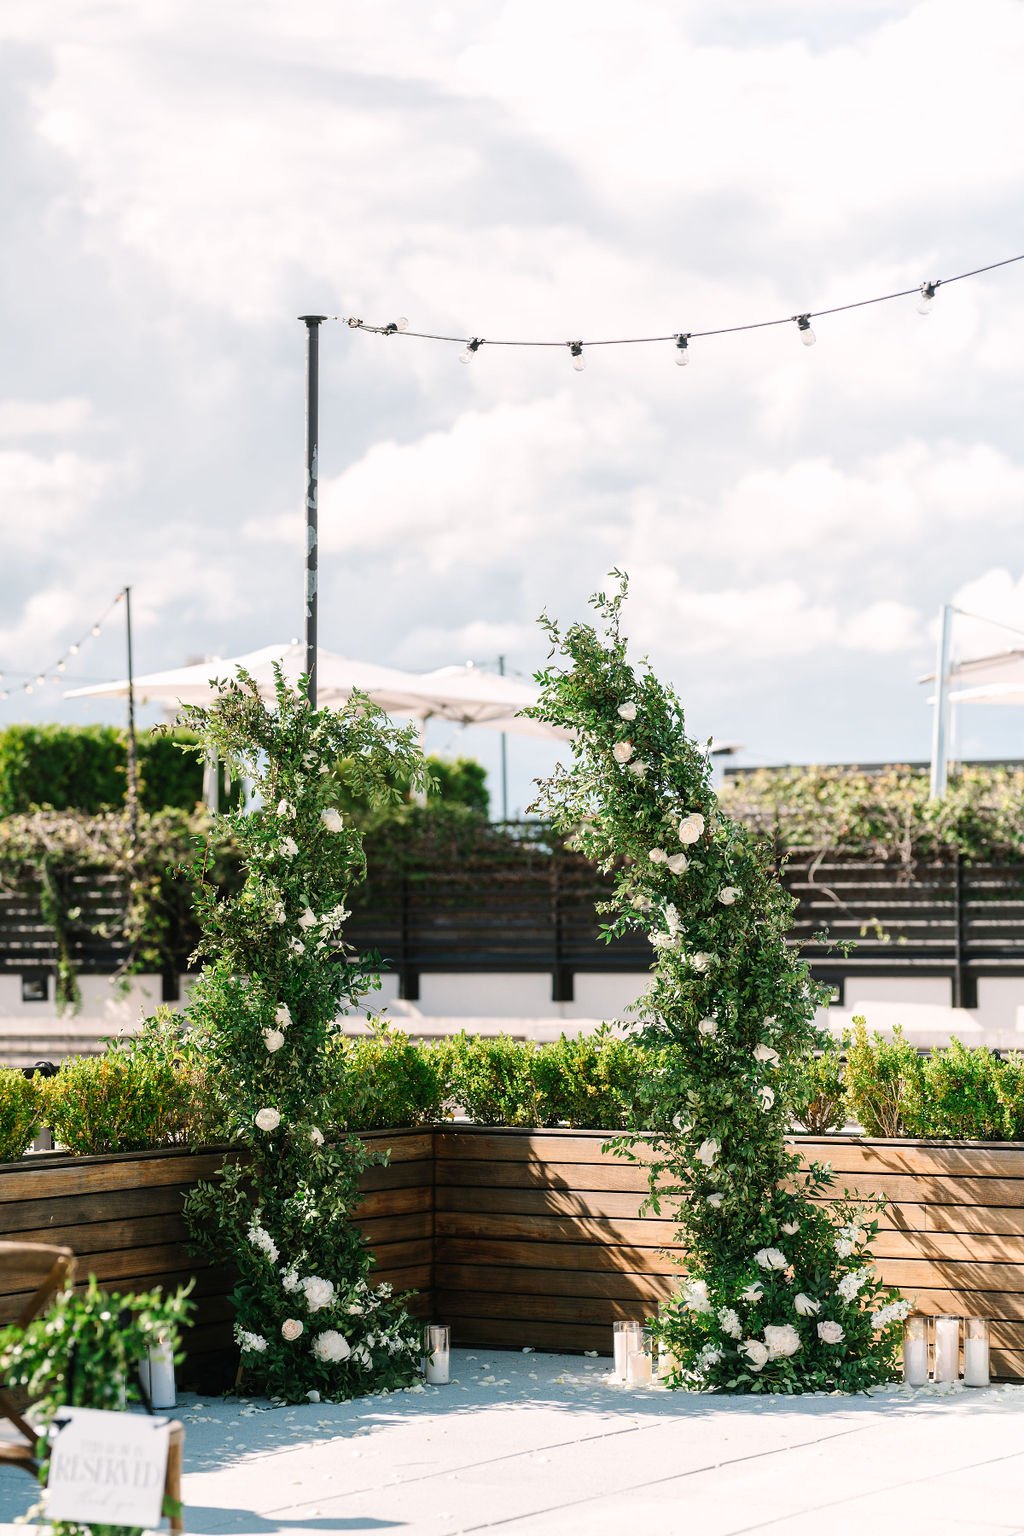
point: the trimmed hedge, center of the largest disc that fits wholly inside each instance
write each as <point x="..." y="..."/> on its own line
<point x="84" y="768"/>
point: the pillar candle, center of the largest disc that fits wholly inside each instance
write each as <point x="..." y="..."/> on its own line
<point x="976" y="1361"/>
<point x="161" y="1384"/>
<point x="436" y="1355"/>
<point x="623" y="1337"/>
<point x="947" y="1349"/>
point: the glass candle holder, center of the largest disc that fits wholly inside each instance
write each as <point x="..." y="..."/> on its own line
<point x="622" y="1337"/>
<point x="640" y="1364"/>
<point x="436" y="1354"/>
<point x="157" y="1373"/>
<point x="915" y="1351"/>
<point x="976" y="1361"/>
<point x="946" y="1360"/>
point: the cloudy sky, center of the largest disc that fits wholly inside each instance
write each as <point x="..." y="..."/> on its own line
<point x="180" y="180"/>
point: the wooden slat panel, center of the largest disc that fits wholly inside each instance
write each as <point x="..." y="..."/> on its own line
<point x="468" y="1331"/>
<point x="540" y="1202"/>
<point x="943" y="1246"/>
<point x="550" y="1309"/>
<point x="393" y="1202"/>
<point x="586" y="1229"/>
<point x="613" y="1285"/>
<point x="865" y="1157"/>
<point x="18" y="1216"/>
<point x="572" y="1257"/>
<point x="506" y="1174"/>
<point x="84" y="1175"/>
<point x="469" y="1144"/>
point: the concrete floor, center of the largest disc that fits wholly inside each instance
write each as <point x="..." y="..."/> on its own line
<point x="544" y="1444"/>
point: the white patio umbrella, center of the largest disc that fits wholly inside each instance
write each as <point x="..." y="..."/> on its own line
<point x="472" y="695"/>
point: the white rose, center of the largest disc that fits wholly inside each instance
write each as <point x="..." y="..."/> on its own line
<point x="289" y="847"/>
<point x="268" y="1119"/>
<point x="831" y="1333"/>
<point x="627" y="711"/>
<point x="332" y="819"/>
<point x="316" y="1137"/>
<point x="658" y="856"/>
<point x="622" y="751"/>
<point x="753" y="1293"/>
<point x="708" y="1027"/>
<point x="296" y="946"/>
<point x="771" y="1258"/>
<point x="708" y="1152"/>
<point x="638" y="767"/>
<point x="680" y="1124"/>
<point x="678" y="863"/>
<point x="714" y="1200"/>
<point x="791" y="1228"/>
<point x="292" y="1329"/>
<point x="695" y="1296"/>
<point x="805" y="1305"/>
<point x="782" y="1340"/>
<point x="273" y="1039"/>
<point x="285" y="808"/>
<point x="767" y="1097"/>
<point x="701" y="962"/>
<point x="765" y="1053"/>
<point x="729" y="894"/>
<point x="729" y="1322"/>
<point x="691" y="828"/>
<point x="308" y="919"/>
<point x="331" y="1347"/>
<point x="319" y="1293"/>
<point x="282" y="1018"/>
<point x="756" y="1353"/>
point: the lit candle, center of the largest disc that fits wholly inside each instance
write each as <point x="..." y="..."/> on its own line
<point x="640" y="1363"/>
<point x="976" y="1362"/>
<point x="623" y="1335"/>
<point x="947" y="1349"/>
<point x="162" y="1392"/>
<point x="915" y="1351"/>
<point x="436" y="1354"/>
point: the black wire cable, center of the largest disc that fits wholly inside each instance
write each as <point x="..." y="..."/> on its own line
<point x="393" y="328"/>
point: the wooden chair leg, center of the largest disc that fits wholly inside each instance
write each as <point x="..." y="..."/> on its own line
<point x="172" y="1485"/>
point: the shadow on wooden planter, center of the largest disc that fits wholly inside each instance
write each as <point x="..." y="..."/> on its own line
<point x="535" y="1237"/>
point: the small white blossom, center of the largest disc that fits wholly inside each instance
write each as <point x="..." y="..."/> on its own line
<point x="658" y="856"/>
<point x="273" y="1039"/>
<point x="729" y="1322"/>
<point x="805" y="1305"/>
<point x="843" y="1247"/>
<point x="316" y="1136"/>
<point x="680" y="1123"/>
<point x="691" y="829"/>
<point x="308" y="918"/>
<point x="831" y="1333"/>
<point x="261" y="1239"/>
<point x="250" y="1343"/>
<point x="695" y="1296"/>
<point x="701" y="962"/>
<point x="627" y="711"/>
<point x="771" y="1258"/>
<point x="672" y="918"/>
<point x="791" y="1228"/>
<point x="850" y="1285"/>
<point x="708" y="1151"/>
<point x="756" y="1353"/>
<point x="638" y="768"/>
<point x="331" y="1347"/>
<point x="714" y="1200"/>
<point x="678" y="863"/>
<point x="753" y="1293"/>
<point x="767" y="1097"/>
<point x="292" y="1329"/>
<point x="894" y="1312"/>
<point x="268" y="1119"/>
<point x="331" y="818"/>
<point x="278" y="913"/>
<point x="642" y="903"/>
<point x="708" y="1027"/>
<point x="622" y="751"/>
<point x="319" y="1293"/>
<point x="296" y="946"/>
<point x="282" y="1018"/>
<point x="289" y="847"/>
<point x="782" y="1340"/>
<point x="361" y="1356"/>
<point x="729" y="894"/>
<point x="765" y="1053"/>
<point x="285" y="808"/>
<point x="290" y="1281"/>
<point x="709" y="1355"/>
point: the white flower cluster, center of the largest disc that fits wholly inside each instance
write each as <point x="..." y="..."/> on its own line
<point x="850" y="1285"/>
<point x="893" y="1312"/>
<point x="695" y="1296"/>
<point x="261" y="1239"/>
<point x="249" y="1343"/>
<point x="729" y="1322"/>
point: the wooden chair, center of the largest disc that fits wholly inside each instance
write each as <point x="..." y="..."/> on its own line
<point x="43" y="1269"/>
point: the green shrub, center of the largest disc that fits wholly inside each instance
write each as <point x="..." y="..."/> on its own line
<point x="961" y="1094"/>
<point x="818" y="1093"/>
<point x="152" y="1091"/>
<point x="884" y="1083"/>
<point x="84" y="768"/>
<point x="382" y="1081"/>
<point x="1010" y="1088"/>
<point x="596" y="1082"/>
<point x="492" y="1080"/>
<point x="20" y="1113"/>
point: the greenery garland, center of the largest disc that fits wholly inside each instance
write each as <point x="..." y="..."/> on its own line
<point x="779" y="1295"/>
<point x="278" y="973"/>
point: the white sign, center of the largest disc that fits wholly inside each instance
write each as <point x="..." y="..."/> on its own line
<point x="107" y="1467"/>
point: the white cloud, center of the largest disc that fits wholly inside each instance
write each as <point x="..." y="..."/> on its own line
<point x="44" y="418"/>
<point x="993" y="614"/>
<point x="480" y="640"/>
<point x="42" y="499"/>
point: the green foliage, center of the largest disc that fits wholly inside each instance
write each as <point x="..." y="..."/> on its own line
<point x="492" y="1079"/>
<point x="777" y="1296"/>
<point x="884" y="1083"/>
<point x="20" y="1113"/>
<point x="1010" y="1087"/>
<point x="84" y="768"/>
<point x="960" y="1094"/>
<point x="383" y="1081"/>
<point x="600" y="1081"/>
<point x="278" y="975"/>
<point x="148" y="1091"/>
<point x="887" y="814"/>
<point x="83" y="1353"/>
<point x="817" y="1091"/>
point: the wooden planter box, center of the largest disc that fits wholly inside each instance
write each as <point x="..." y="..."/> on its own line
<point x="534" y="1237"/>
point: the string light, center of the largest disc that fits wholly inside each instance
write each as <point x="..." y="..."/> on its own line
<point x="927" y="296"/>
<point x="683" y="349"/>
<point x="923" y="292"/>
<point x="473" y="346"/>
<point x="55" y="672"/>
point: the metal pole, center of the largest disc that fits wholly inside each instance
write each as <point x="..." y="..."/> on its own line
<point x="312" y="324"/>
<point x="940" y="722"/>
<point x="504" y="757"/>
<point x="133" y="760"/>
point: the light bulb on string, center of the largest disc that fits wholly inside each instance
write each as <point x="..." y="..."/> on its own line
<point x="807" y="336"/>
<point x="96" y="630"/>
<point x="27" y="687"/>
<point x="924" y="303"/>
<point x="40" y="679"/>
<point x="62" y="666"/>
<point x="473" y="346"/>
<point x="683" y="348"/>
<point x="73" y="649"/>
<point x="576" y="350"/>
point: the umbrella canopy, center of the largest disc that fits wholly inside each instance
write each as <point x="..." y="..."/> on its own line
<point x="471" y="695"/>
<point x="989" y="693"/>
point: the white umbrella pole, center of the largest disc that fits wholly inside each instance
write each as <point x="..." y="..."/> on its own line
<point x="312" y="324"/>
<point x="504" y="756"/>
<point x="940" y="723"/>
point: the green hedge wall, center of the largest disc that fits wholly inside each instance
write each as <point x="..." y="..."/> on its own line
<point x="83" y="768"/>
